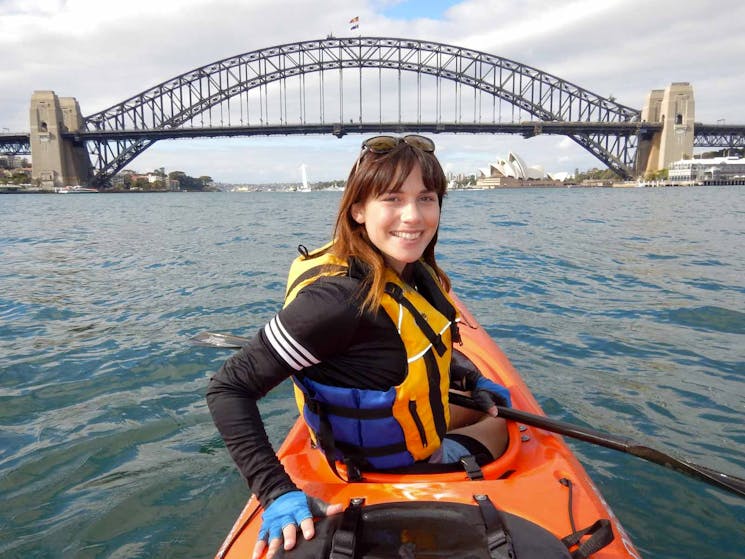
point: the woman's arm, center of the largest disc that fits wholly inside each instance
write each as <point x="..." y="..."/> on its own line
<point x="316" y="326"/>
<point x="231" y="396"/>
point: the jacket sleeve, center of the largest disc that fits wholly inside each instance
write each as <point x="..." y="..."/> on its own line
<point x="297" y="337"/>
<point x="232" y="397"/>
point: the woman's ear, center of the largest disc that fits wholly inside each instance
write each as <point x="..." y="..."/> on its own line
<point x="357" y="211"/>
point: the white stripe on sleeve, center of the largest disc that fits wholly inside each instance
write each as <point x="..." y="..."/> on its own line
<point x="294" y="354"/>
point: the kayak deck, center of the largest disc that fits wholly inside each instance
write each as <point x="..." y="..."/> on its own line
<point x="529" y="480"/>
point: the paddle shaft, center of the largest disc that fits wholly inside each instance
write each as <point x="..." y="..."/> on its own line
<point x="733" y="484"/>
<point x="730" y="483"/>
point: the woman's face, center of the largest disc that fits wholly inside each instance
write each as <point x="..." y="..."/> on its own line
<point x="401" y="224"/>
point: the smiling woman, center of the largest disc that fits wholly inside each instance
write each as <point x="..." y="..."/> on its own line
<point x="367" y="333"/>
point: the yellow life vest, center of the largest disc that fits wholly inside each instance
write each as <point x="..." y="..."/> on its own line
<point x="393" y="428"/>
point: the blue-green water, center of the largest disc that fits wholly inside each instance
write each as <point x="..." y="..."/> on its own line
<point x="624" y="310"/>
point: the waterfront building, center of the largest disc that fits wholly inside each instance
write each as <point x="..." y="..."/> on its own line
<point x="513" y="166"/>
<point x="513" y="171"/>
<point x="707" y="171"/>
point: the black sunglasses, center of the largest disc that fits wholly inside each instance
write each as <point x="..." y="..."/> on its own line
<point x="384" y="144"/>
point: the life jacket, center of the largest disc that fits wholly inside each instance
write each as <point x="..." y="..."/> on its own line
<point x="392" y="428"/>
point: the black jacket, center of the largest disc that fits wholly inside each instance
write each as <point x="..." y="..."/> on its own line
<point x="320" y="334"/>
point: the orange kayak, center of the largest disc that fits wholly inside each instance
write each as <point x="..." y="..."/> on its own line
<point x="523" y="503"/>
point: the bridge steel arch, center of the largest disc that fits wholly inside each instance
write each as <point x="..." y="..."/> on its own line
<point x="186" y="99"/>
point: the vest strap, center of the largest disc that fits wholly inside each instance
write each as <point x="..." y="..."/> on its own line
<point x="353" y="450"/>
<point x="315" y="271"/>
<point x="434" y="338"/>
<point x="325" y="437"/>
<point x="343" y="411"/>
<point x="330" y="445"/>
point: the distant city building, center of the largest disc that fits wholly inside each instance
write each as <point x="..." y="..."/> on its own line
<point x="707" y="170"/>
<point x="13" y="162"/>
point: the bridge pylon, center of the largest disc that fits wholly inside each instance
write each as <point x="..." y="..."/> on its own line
<point x="57" y="161"/>
<point x="674" y="107"/>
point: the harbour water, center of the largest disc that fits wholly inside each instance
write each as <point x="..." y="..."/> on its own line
<point x="624" y="309"/>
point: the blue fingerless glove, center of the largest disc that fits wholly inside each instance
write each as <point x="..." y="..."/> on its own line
<point x="290" y="508"/>
<point x="487" y="393"/>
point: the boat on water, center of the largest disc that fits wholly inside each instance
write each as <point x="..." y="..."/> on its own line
<point x="76" y="189"/>
<point x="521" y="506"/>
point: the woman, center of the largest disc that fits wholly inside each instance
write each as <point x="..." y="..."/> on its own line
<point x="367" y="335"/>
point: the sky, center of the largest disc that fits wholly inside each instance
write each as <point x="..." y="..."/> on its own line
<point x="104" y="52"/>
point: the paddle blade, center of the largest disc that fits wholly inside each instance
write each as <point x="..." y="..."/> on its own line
<point x="213" y="339"/>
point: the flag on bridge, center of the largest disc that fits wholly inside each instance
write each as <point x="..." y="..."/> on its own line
<point x="354" y="23"/>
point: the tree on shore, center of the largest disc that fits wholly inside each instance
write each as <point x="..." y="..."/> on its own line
<point x="190" y="183"/>
<point x="595" y="174"/>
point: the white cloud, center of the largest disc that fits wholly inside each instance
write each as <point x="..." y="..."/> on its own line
<point x="104" y="52"/>
<point x="522" y="22"/>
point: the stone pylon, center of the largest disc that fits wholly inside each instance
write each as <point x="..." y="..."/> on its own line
<point x="57" y="161"/>
<point x="675" y="108"/>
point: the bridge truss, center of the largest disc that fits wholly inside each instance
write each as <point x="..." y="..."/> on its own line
<point x="352" y="84"/>
<point x="718" y="135"/>
<point x="15" y="144"/>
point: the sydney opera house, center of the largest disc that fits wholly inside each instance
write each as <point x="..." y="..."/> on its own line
<point x="513" y="171"/>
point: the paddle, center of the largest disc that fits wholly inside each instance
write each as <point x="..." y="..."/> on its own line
<point x="212" y="339"/>
<point x="733" y="484"/>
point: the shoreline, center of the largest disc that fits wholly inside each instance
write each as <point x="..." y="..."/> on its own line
<point x="605" y="184"/>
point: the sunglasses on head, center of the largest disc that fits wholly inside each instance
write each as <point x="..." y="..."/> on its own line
<point x="384" y="144"/>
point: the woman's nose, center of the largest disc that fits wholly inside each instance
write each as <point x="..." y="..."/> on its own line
<point x="411" y="212"/>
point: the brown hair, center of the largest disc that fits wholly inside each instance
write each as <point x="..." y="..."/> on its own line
<point x="372" y="175"/>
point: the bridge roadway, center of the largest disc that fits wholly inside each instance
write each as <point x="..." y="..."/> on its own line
<point x="705" y="135"/>
<point x="527" y="129"/>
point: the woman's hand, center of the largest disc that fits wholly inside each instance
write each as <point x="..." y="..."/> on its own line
<point x="488" y="395"/>
<point x="282" y="518"/>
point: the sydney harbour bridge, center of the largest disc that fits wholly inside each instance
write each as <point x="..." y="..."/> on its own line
<point x="361" y="85"/>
